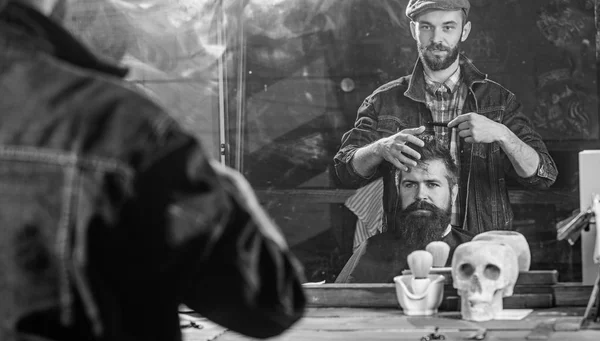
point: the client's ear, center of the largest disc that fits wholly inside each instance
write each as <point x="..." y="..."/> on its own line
<point x="454" y="192"/>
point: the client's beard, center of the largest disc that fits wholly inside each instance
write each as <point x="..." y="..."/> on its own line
<point x="420" y="230"/>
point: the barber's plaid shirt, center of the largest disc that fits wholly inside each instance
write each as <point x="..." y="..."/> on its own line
<point x="446" y="100"/>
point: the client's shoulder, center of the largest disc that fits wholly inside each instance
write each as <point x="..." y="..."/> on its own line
<point x="460" y="235"/>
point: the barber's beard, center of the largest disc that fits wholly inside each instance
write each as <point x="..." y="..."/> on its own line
<point x="420" y="229"/>
<point x="437" y="63"/>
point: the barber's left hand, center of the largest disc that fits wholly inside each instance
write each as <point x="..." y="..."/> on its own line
<point x="475" y="128"/>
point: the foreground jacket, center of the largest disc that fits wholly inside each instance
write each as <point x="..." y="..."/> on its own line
<point x="383" y="256"/>
<point x="111" y="216"/>
<point x="400" y="104"/>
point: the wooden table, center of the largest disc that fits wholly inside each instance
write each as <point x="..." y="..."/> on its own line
<point x="390" y="324"/>
<point x="371" y="312"/>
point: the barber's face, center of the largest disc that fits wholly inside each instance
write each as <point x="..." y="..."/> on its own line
<point x="427" y="183"/>
<point x="438" y="35"/>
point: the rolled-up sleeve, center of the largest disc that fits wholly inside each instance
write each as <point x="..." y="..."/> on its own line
<point x="362" y="134"/>
<point x="519" y="124"/>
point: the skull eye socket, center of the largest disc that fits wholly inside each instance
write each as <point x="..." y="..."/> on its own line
<point x="466" y="270"/>
<point x="491" y="272"/>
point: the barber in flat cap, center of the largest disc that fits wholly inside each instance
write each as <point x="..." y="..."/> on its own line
<point x="479" y="120"/>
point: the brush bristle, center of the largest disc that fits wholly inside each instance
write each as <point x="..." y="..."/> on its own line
<point x="419" y="263"/>
<point x="440" y="251"/>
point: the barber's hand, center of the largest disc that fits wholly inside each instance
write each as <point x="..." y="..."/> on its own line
<point x="475" y="128"/>
<point x="394" y="148"/>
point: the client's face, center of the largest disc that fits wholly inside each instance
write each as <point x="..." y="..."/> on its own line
<point x="425" y="202"/>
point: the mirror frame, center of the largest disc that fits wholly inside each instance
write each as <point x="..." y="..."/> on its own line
<point x="382" y="294"/>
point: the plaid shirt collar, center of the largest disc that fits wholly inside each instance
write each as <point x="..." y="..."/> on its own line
<point x="449" y="85"/>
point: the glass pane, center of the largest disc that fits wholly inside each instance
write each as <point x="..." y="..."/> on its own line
<point x="173" y="50"/>
<point x="310" y="64"/>
<point x="274" y="84"/>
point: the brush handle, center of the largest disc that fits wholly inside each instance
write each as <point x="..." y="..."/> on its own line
<point x="419" y="285"/>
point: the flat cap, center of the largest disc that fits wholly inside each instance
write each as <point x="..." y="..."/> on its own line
<point x="416" y="7"/>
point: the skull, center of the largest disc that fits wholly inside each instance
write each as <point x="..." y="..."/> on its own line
<point x="516" y="240"/>
<point x="483" y="272"/>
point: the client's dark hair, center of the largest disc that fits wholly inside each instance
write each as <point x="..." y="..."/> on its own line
<point x="435" y="150"/>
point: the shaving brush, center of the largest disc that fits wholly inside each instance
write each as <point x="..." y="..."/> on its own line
<point x="420" y="262"/>
<point x="440" y="251"/>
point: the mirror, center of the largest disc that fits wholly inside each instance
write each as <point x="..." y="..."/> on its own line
<point x="270" y="86"/>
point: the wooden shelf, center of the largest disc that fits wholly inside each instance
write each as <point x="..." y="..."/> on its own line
<point x="316" y="196"/>
<point x="383" y="295"/>
<point x="339" y="196"/>
<point x="572" y="294"/>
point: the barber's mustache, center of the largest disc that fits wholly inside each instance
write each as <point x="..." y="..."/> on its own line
<point x="421" y="205"/>
<point x="438" y="47"/>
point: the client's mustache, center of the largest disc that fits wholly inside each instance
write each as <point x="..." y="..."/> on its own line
<point x="421" y="205"/>
<point x="438" y="47"/>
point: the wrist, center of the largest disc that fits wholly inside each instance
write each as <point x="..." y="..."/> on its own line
<point x="505" y="135"/>
<point x="376" y="149"/>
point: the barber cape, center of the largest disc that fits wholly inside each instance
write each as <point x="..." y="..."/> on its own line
<point x="382" y="257"/>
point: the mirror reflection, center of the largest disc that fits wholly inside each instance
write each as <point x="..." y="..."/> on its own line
<point x="505" y="95"/>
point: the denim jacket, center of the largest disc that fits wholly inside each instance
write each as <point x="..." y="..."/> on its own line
<point x="400" y="104"/>
<point x="112" y="216"/>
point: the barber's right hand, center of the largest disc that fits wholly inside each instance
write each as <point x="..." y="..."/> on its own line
<point x="394" y="148"/>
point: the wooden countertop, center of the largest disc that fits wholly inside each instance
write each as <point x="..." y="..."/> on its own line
<point x="390" y="324"/>
<point x="371" y="312"/>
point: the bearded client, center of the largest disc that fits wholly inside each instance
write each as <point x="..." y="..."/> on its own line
<point x="425" y="194"/>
